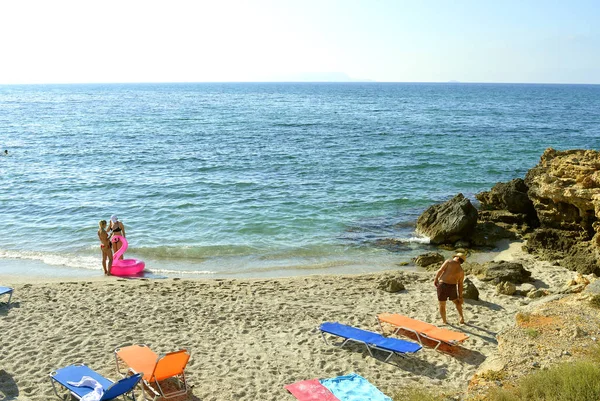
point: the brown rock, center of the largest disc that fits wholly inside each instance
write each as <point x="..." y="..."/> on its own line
<point x="564" y="189"/>
<point x="537" y="293"/>
<point x="502" y="271"/>
<point x="448" y="222"/>
<point x="511" y="196"/>
<point x="428" y="258"/>
<point x="469" y="290"/>
<point x="506" y="288"/>
<point x="487" y="234"/>
<point x="390" y="284"/>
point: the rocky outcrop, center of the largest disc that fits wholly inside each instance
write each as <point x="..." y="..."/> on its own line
<point x="565" y="190"/>
<point x="487" y="234"/>
<point x="508" y="206"/>
<point x="510" y="196"/>
<point x="550" y="242"/>
<point x="448" y="222"/>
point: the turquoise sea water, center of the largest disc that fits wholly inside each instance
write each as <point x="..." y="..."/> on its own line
<point x="257" y="179"/>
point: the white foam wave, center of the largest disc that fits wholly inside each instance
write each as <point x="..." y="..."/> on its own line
<point x="55" y="259"/>
<point x="181" y="272"/>
<point x="416" y="240"/>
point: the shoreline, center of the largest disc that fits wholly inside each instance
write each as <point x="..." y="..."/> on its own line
<point x="247" y="337"/>
<point x="23" y="270"/>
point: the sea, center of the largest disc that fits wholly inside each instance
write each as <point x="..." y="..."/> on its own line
<point x="237" y="180"/>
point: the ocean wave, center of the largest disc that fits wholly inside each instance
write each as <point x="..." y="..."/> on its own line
<point x="181" y="272"/>
<point x="191" y="252"/>
<point x="55" y="259"/>
<point x="415" y="240"/>
<point x="304" y="266"/>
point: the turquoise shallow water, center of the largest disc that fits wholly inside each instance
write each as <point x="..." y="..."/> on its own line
<point x="246" y="180"/>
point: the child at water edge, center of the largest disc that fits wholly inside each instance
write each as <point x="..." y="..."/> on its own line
<point x="105" y="247"/>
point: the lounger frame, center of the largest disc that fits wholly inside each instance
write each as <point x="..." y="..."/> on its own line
<point x="418" y="334"/>
<point x="181" y="380"/>
<point x="53" y="381"/>
<point x="369" y="346"/>
<point x="8" y="291"/>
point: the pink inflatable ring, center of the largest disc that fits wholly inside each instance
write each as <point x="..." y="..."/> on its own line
<point x="125" y="267"/>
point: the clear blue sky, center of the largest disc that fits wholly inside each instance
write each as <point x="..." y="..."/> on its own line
<point x="260" y="40"/>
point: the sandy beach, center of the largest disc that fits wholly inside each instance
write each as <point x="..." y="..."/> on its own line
<point x="247" y="338"/>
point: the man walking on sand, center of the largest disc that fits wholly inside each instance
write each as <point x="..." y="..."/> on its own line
<point x="450" y="276"/>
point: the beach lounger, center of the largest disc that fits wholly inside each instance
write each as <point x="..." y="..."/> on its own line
<point x="156" y="369"/>
<point x="350" y="387"/>
<point x="6" y="290"/>
<point x="75" y="373"/>
<point x="369" y="339"/>
<point x="422" y="329"/>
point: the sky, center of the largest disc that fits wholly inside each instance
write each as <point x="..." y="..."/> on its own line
<point x="85" y="41"/>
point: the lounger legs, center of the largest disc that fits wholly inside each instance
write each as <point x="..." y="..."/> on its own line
<point x="370" y="348"/>
<point x="402" y="328"/>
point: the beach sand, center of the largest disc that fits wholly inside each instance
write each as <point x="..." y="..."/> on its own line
<point x="247" y="338"/>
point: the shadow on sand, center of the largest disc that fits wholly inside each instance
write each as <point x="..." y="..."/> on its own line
<point x="410" y="363"/>
<point x="484" y="334"/>
<point x="4" y="308"/>
<point x="459" y="352"/>
<point x="8" y="387"/>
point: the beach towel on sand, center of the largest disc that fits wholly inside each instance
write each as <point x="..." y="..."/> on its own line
<point x="353" y="387"/>
<point x="310" y="390"/>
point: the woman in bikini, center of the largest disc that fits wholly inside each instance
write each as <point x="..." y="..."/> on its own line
<point x="105" y="247"/>
<point x="116" y="228"/>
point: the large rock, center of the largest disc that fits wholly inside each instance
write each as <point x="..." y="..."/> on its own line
<point x="582" y="259"/>
<point x="501" y="271"/>
<point x="390" y="284"/>
<point x="593" y="288"/>
<point x="469" y="290"/>
<point x="565" y="190"/>
<point x="448" y="222"/>
<point x="550" y="242"/>
<point x="487" y="234"/>
<point x="510" y="196"/>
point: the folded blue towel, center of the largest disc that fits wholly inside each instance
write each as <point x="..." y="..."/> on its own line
<point x="353" y="387"/>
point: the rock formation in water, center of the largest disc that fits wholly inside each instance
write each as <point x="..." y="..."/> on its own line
<point x="556" y="208"/>
<point x="448" y="222"/>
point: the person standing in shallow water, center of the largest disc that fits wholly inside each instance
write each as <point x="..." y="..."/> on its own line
<point x="105" y="247"/>
<point x="450" y="276"/>
<point x="117" y="228"/>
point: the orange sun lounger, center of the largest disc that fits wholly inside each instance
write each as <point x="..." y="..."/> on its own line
<point x="422" y="329"/>
<point x="155" y="368"/>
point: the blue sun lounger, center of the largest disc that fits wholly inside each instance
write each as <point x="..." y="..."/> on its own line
<point x="6" y="290"/>
<point x="369" y="339"/>
<point x="74" y="373"/>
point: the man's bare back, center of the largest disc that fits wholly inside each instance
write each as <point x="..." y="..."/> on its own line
<point x="452" y="272"/>
<point x="449" y="281"/>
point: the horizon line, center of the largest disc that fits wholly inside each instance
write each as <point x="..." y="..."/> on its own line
<point x="451" y="82"/>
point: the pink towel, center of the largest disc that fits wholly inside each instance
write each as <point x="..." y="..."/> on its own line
<point x="311" y="390"/>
